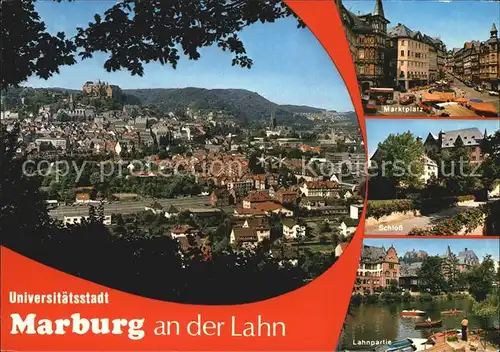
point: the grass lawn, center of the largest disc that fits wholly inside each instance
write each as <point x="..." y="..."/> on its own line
<point x="319" y="247"/>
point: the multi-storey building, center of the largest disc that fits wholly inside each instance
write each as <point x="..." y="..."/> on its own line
<point x="433" y="59"/>
<point x="471" y="138"/>
<point x="441" y="55"/>
<point x="367" y="36"/>
<point x="409" y="53"/>
<point x="101" y="89"/>
<point x="377" y="269"/>
<point x="489" y="60"/>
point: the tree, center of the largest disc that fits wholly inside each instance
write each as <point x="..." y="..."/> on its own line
<point x="481" y="279"/>
<point x="490" y="168"/>
<point x="131" y="32"/>
<point x="451" y="273"/>
<point x="398" y="160"/>
<point x="24" y="221"/>
<point x="431" y="274"/>
<point x="27" y="49"/>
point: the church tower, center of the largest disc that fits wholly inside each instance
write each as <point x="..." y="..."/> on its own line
<point x="273" y="123"/>
<point x="71" y="102"/>
<point x="493" y="31"/>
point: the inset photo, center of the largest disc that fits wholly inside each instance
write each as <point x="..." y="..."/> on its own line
<point x="188" y="159"/>
<point x="445" y="65"/>
<point x="425" y="295"/>
<point x="430" y="177"/>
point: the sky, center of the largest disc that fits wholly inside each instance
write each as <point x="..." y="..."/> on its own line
<point x="290" y="65"/>
<point x="378" y="129"/>
<point x="455" y="22"/>
<point x="436" y="246"/>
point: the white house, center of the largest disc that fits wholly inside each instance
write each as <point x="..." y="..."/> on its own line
<point x="292" y="230"/>
<point x="345" y="230"/>
<point x="355" y="211"/>
<point x="247" y="236"/>
<point x="340" y="249"/>
<point x="171" y="212"/>
<point x="430" y="169"/>
<point x="320" y="188"/>
<point x="156" y="208"/>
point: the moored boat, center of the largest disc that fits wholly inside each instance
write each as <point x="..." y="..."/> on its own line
<point x="412" y="313"/>
<point x="428" y="324"/>
<point x="401" y="343"/>
<point x="408" y="348"/>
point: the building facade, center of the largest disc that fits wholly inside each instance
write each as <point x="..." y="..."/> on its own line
<point x="410" y="56"/>
<point x="101" y="89"/>
<point x="378" y="268"/>
<point x="367" y="35"/>
<point x="489" y="60"/>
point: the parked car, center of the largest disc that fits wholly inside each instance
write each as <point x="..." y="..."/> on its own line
<point x="436" y="106"/>
<point x="493" y="93"/>
<point x="469" y="84"/>
<point x="407" y="99"/>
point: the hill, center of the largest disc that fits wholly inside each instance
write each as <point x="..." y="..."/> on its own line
<point x="303" y="109"/>
<point x="243" y="104"/>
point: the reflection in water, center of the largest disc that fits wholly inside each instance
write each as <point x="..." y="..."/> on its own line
<point x="377" y="322"/>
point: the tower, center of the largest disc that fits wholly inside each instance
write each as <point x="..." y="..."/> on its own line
<point x="493" y="31"/>
<point x="273" y="122"/>
<point x="379" y="21"/>
<point x="71" y="102"/>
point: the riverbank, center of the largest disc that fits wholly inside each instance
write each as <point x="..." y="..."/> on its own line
<point x="383" y="321"/>
<point x="390" y="297"/>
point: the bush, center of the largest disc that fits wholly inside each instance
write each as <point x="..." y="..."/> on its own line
<point x="425" y="297"/>
<point x="433" y="205"/>
<point x="407" y="297"/>
<point x="465" y="198"/>
<point x="469" y="219"/>
<point x="379" y="208"/>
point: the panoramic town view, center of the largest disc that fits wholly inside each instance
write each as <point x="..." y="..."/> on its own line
<point x="429" y="177"/>
<point x="437" y="67"/>
<point x="207" y="171"/>
<point x="425" y="294"/>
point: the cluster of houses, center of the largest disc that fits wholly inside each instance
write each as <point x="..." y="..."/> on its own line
<point x="379" y="267"/>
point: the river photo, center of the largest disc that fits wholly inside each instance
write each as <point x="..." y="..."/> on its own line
<point x="378" y="322"/>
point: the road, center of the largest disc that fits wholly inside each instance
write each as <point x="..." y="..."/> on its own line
<point x="470" y="93"/>
<point x="404" y="226"/>
<point x="460" y="89"/>
<point x="128" y="207"/>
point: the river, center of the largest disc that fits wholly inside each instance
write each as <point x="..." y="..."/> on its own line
<point x="378" y="322"/>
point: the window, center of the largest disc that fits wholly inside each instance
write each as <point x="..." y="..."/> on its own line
<point x="402" y="53"/>
<point x="391" y="266"/>
<point x="387" y="281"/>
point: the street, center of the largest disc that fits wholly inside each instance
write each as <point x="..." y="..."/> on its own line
<point x="128" y="207"/>
<point x="470" y="93"/>
<point x="460" y="90"/>
<point x="404" y="226"/>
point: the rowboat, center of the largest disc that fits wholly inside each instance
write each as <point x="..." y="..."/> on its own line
<point x="408" y="348"/>
<point x="428" y="324"/>
<point x="401" y="343"/>
<point x="412" y="313"/>
<point x="451" y="312"/>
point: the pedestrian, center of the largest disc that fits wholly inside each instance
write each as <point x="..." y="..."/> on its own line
<point x="464" y="324"/>
<point x="420" y="97"/>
